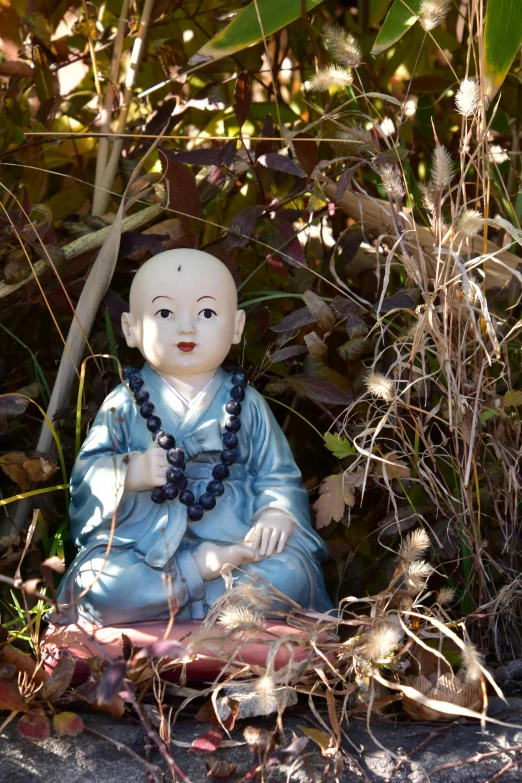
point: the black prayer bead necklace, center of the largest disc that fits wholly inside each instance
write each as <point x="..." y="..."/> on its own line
<point x="176" y="481"/>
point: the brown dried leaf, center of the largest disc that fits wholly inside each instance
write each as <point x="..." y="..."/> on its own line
<point x="220" y="769"/>
<point x="242" y="98"/>
<point x="321" y="311"/>
<point x="330" y="504"/>
<point x="395" y="467"/>
<point x="60" y="679"/>
<point x="316" y="346"/>
<point x="10" y="697"/>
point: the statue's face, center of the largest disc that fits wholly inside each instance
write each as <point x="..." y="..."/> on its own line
<point x="183" y="313"/>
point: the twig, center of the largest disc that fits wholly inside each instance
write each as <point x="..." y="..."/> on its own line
<point x="478" y="757"/>
<point x="159" y="744"/>
<point x="152" y="769"/>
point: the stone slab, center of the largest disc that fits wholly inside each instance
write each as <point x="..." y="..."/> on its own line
<point x="87" y="758"/>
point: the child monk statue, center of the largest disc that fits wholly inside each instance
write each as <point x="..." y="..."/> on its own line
<point x="185" y="468"/>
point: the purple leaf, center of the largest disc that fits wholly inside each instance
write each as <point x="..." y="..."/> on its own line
<point x="34" y="725"/>
<point x="402" y="300"/>
<point x="242" y="225"/>
<point x="227" y="153"/>
<point x="266" y="145"/>
<point x="344" y="307"/>
<point x="318" y="389"/>
<point x="165" y="647"/>
<point x="13" y="405"/>
<point x="307" y="151"/>
<point x="205" y="156"/>
<point x="273" y="160"/>
<point x="288" y="353"/>
<point x="288" y="754"/>
<point x="111" y="682"/>
<point x="344" y="182"/>
<point x="242" y="98"/>
<point x="295" y="320"/>
<point x="183" y="193"/>
<point x="211" y="184"/>
<point x="281" y="236"/>
<point x="257" y="324"/>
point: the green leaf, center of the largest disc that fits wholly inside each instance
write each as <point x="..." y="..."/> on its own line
<point x="502" y="40"/>
<point x="486" y="415"/>
<point x="340" y="447"/>
<point x="245" y="31"/>
<point x="512" y="398"/>
<point x="402" y="15"/>
<point x="377" y="10"/>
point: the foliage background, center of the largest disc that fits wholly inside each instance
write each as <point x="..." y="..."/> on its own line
<point x="275" y="223"/>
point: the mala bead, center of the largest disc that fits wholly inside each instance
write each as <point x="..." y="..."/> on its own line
<point x="186" y="497"/>
<point x="195" y="512"/>
<point x="176" y="456"/>
<point x="142" y="396"/>
<point x="239" y="379"/>
<point x="157" y="495"/>
<point x="207" y="501"/>
<point x="228" y="457"/>
<point x="135" y="384"/>
<point x="233" y="424"/>
<point x="171" y="491"/>
<point x="147" y="409"/>
<point x="230" y="440"/>
<point x="237" y="393"/>
<point x="233" y="407"/>
<point x="166" y="441"/>
<point x="129" y="373"/>
<point x="153" y="423"/>
<point x="215" y="488"/>
<point x="220" y="472"/>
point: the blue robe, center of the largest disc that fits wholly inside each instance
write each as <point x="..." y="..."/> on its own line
<point x="150" y="568"/>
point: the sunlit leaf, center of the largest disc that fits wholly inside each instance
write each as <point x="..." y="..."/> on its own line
<point x="340" y="447"/>
<point x="67" y="724"/>
<point x="34" y="725"/>
<point x="502" y="41"/>
<point x="401" y="16"/>
<point x="245" y="30"/>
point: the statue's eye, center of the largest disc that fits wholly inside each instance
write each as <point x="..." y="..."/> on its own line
<point x="164" y="313"/>
<point x="207" y="313"/>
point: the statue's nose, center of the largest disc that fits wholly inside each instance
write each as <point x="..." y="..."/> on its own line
<point x="186" y="326"/>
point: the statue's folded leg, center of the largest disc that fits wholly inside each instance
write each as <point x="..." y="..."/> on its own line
<point x="126" y="591"/>
<point x="293" y="574"/>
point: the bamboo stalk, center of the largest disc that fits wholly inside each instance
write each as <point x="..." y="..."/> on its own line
<point x="83" y="245"/>
<point x="109" y="172"/>
<point x="106" y="114"/>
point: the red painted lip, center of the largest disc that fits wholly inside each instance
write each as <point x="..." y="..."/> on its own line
<point x="186" y="347"/>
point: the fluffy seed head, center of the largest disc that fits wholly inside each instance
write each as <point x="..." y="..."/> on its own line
<point x="414" y="546"/>
<point x="380" y="386"/>
<point x="445" y="596"/>
<point x="234" y="617"/>
<point x="266" y="692"/>
<point x="472" y="662"/>
<point x="392" y="181"/>
<point x="468" y="97"/>
<point x="470" y="223"/>
<point x="357" y="135"/>
<point x="432" y="12"/>
<point x="382" y="640"/>
<point x="342" y="45"/>
<point x="331" y="76"/>
<point x="441" y="167"/>
<point x="427" y="196"/>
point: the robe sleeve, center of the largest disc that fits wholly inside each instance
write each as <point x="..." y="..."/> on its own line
<point x="277" y="481"/>
<point x="98" y="475"/>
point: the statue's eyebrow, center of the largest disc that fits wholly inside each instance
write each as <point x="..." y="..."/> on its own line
<point x="161" y="296"/>
<point x="207" y="297"/>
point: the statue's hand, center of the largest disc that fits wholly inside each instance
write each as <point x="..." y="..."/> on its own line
<point x="270" y="533"/>
<point x="147" y="470"/>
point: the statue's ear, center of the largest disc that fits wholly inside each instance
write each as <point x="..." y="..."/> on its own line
<point x="240" y="325"/>
<point x="127" y="325"/>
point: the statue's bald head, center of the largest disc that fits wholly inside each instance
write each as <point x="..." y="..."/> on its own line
<point x="183" y="298"/>
<point x="181" y="268"/>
